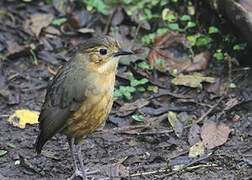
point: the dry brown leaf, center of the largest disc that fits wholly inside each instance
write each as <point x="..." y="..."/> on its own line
<point x="199" y="62"/>
<point x="118" y="16"/>
<point x="114" y="171"/>
<point x="163" y="48"/>
<point x="170" y="47"/>
<point x="129" y="108"/>
<point x="214" y="135"/>
<point x="39" y="21"/>
<point x="215" y="87"/>
<point x="194" y="134"/>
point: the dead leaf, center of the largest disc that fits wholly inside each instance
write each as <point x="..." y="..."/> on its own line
<point x="129" y="108"/>
<point x="52" y="30"/>
<point x="78" y="18"/>
<point x="118" y="16"/>
<point x="39" y="21"/>
<point x="197" y="149"/>
<point x="13" y="48"/>
<point x="170" y="48"/>
<point x="194" y="134"/>
<point x="193" y="80"/>
<point x="114" y="171"/>
<point x="135" y="16"/>
<point x="215" y="87"/>
<point x="86" y="30"/>
<point x="175" y="123"/>
<point x="214" y="135"/>
<point x="23" y="116"/>
<point x="199" y="62"/>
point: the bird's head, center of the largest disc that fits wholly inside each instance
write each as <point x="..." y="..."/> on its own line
<point x="102" y="53"/>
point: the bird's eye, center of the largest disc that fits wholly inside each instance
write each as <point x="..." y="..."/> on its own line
<point x="103" y="51"/>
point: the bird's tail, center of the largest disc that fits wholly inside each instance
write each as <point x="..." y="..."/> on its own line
<point x="39" y="143"/>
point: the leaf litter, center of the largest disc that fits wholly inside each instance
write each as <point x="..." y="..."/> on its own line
<point x="145" y="146"/>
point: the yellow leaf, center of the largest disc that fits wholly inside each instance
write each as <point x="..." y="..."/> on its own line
<point x="197" y="149"/>
<point x="193" y="80"/>
<point x="23" y="116"/>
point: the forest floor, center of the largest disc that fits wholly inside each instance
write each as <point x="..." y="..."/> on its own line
<point x="147" y="136"/>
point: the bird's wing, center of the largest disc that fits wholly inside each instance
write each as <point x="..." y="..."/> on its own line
<point x="64" y="96"/>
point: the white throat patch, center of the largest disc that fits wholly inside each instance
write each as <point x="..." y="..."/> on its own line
<point x="108" y="66"/>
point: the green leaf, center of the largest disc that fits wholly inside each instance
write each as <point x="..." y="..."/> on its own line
<point x="173" y="26"/>
<point x="150" y="88"/>
<point x="124" y="91"/>
<point x="117" y="94"/>
<point x="98" y="5"/>
<point x="239" y="47"/>
<point x="134" y="82"/>
<point x="148" y="13"/>
<point x="138" y="118"/>
<point x="141" y="89"/>
<point x="35" y="59"/>
<point x="159" y="62"/>
<point x="2" y="57"/>
<point x="193" y="38"/>
<point x="2" y="152"/>
<point x="202" y="41"/>
<point x="161" y="30"/>
<point x="17" y="162"/>
<point x="143" y="65"/>
<point x="11" y="145"/>
<point x="190" y="24"/>
<point x="127" y="1"/>
<point x="154" y="2"/>
<point x="232" y="85"/>
<point x="212" y="30"/>
<point x="218" y="55"/>
<point x="48" y="1"/>
<point x="127" y="95"/>
<point x="185" y="18"/>
<point x="59" y="21"/>
<point x="147" y="39"/>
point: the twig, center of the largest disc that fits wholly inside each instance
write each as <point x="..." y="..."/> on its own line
<point x="229" y="69"/>
<point x="241" y="69"/>
<point x="151" y="172"/>
<point x="209" y="111"/>
<point x="4" y="115"/>
<point x="109" y="21"/>
<point x="202" y="165"/>
<point x="137" y="30"/>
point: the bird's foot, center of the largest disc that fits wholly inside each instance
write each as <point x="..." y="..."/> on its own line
<point x="80" y="174"/>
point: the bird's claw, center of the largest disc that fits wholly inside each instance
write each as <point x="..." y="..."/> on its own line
<point x="80" y="174"/>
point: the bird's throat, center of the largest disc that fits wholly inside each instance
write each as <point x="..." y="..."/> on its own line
<point x="109" y="66"/>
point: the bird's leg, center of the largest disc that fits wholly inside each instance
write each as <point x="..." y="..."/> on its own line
<point x="72" y="149"/>
<point x="83" y="169"/>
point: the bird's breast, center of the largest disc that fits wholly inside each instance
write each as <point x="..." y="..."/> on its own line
<point x="95" y="108"/>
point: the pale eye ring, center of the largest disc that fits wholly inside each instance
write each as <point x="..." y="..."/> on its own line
<point x="103" y="51"/>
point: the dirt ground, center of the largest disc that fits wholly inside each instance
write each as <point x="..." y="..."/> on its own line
<point x="123" y="148"/>
<point x="124" y="154"/>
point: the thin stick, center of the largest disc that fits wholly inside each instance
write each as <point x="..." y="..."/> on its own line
<point x="229" y="69"/>
<point x="109" y="21"/>
<point x="209" y="111"/>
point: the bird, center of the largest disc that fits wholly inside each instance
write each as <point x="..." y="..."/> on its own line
<point x="80" y="97"/>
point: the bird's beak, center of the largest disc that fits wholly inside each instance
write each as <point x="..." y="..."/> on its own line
<point x="122" y="52"/>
